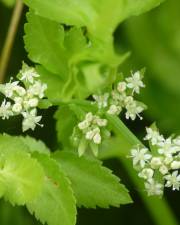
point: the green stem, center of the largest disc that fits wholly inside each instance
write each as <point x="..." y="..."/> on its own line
<point x="121" y="146"/>
<point x="6" y="52"/>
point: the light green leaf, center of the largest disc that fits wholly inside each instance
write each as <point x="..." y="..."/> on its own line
<point x="93" y="184"/>
<point x="14" y="144"/>
<point x="46" y="47"/>
<point x="100" y="17"/>
<point x="21" y="177"/>
<point x="34" y="145"/>
<point x="71" y="65"/>
<point x="56" y="204"/>
<point x="26" y="144"/>
<point x="54" y="82"/>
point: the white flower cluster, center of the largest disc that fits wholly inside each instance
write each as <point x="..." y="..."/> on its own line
<point x="23" y="99"/>
<point x="159" y="168"/>
<point x="91" y="127"/>
<point x="122" y="96"/>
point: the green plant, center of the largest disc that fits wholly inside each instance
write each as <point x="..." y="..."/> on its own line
<point x="76" y="69"/>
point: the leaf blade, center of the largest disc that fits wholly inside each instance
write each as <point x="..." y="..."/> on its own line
<point x="56" y="204"/>
<point x="93" y="184"/>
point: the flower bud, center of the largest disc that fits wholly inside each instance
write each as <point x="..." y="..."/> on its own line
<point x="146" y="173"/>
<point x="175" y="165"/>
<point x="33" y="102"/>
<point x="17" y="108"/>
<point x="155" y="162"/>
<point x="163" y="169"/>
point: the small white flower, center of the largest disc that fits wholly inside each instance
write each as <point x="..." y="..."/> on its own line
<point x="33" y="102"/>
<point x="20" y="90"/>
<point x="140" y="156"/>
<point x="166" y="147"/>
<point x="154" y="188"/>
<point x="128" y="100"/>
<point x="9" y="88"/>
<point x="153" y="136"/>
<point x="121" y="86"/>
<point x="5" y="110"/>
<point x="102" y="100"/>
<point x="173" y="180"/>
<point x="101" y="122"/>
<point x="133" y="110"/>
<point x="168" y="159"/>
<point x="89" y="135"/>
<point x="97" y="138"/>
<point x="163" y="170"/>
<point x="17" y="108"/>
<point x="176" y="141"/>
<point x="94" y="135"/>
<point x="18" y="100"/>
<point x="37" y="89"/>
<point x="156" y="162"/>
<point x="31" y="120"/>
<point x="135" y="82"/>
<point x="175" y="165"/>
<point x="146" y="173"/>
<point x="89" y="117"/>
<point x="28" y="75"/>
<point x="83" y="125"/>
<point x="114" y="110"/>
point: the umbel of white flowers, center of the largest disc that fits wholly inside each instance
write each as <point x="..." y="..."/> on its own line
<point x="122" y="97"/>
<point x="22" y="97"/>
<point x="89" y="132"/>
<point x="158" y="167"/>
<point x="91" y="127"/>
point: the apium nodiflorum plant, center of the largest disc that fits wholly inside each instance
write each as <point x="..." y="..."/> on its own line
<point x="77" y="70"/>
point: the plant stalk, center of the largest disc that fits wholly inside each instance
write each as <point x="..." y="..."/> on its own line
<point x="120" y="148"/>
<point x="6" y="51"/>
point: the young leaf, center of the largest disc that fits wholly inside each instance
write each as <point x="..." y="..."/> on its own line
<point x="54" y="82"/>
<point x="93" y="184"/>
<point x="46" y="47"/>
<point x="56" y="204"/>
<point x="70" y="65"/>
<point x="34" y="145"/>
<point x="21" y="177"/>
<point x="25" y="144"/>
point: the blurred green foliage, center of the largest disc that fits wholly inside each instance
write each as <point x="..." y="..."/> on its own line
<point x="8" y="3"/>
<point x="154" y="41"/>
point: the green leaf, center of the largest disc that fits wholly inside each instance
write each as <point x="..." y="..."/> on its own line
<point x="71" y="65"/>
<point x="93" y="184"/>
<point x="26" y="144"/>
<point x="54" y="82"/>
<point x="91" y="13"/>
<point x="44" y="104"/>
<point x="46" y="47"/>
<point x="65" y="127"/>
<point x="56" y="204"/>
<point x="21" y="177"/>
<point x="34" y="145"/>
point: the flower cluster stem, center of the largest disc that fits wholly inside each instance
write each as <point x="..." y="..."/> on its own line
<point x="120" y="147"/>
<point x="6" y="51"/>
